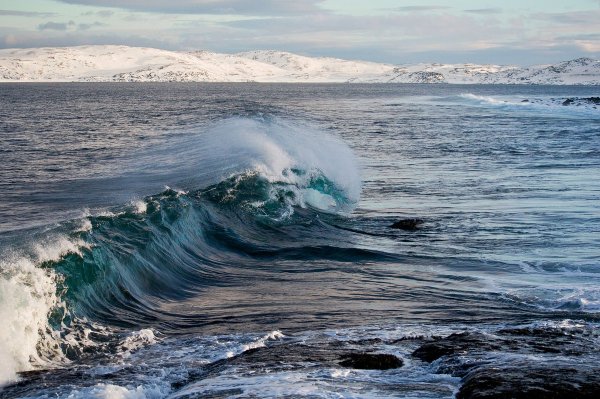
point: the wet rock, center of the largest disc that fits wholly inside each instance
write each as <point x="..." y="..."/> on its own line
<point x="367" y="341"/>
<point x="409" y="224"/>
<point x="593" y="100"/>
<point x="525" y="101"/>
<point x="531" y="382"/>
<point x="529" y="362"/>
<point x="517" y="340"/>
<point x="454" y="344"/>
<point x="548" y="340"/>
<point x="582" y="101"/>
<point x="294" y="356"/>
<point x="368" y="361"/>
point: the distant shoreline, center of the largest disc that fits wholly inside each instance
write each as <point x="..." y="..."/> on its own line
<point x="107" y="63"/>
<point x="56" y="82"/>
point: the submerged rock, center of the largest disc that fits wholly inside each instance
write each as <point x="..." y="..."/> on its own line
<point x="568" y="101"/>
<point x="409" y="224"/>
<point x="369" y="361"/>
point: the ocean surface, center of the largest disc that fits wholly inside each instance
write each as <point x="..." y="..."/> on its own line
<point x="235" y="240"/>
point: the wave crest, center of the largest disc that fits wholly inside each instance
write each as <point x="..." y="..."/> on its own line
<point x="276" y="200"/>
<point x="283" y="152"/>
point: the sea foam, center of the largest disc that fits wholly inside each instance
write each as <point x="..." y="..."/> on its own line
<point x="27" y="295"/>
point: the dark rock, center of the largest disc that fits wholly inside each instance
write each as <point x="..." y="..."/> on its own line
<point x="426" y="77"/>
<point x="369" y="341"/>
<point x="582" y="101"/>
<point x="593" y="100"/>
<point x="453" y="344"/>
<point x="532" y="382"/>
<point x="368" y="361"/>
<point x="525" y="101"/>
<point x="499" y="365"/>
<point x="517" y="340"/>
<point x="408" y="224"/>
<point x="547" y="340"/>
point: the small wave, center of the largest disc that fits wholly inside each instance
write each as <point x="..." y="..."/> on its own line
<point x="137" y="340"/>
<point x="259" y="343"/>
<point x="484" y="99"/>
<point x="558" y="106"/>
<point x="111" y="391"/>
<point x="586" y="300"/>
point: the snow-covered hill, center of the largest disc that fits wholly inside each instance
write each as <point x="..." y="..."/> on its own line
<point x="136" y="64"/>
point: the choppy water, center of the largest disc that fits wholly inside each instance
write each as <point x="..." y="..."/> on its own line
<point x="234" y="240"/>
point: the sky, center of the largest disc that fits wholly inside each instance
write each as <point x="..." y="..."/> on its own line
<point x="521" y="32"/>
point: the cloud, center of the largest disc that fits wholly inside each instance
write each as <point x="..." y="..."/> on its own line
<point x="60" y="26"/>
<point x="484" y="11"/>
<point x="570" y="18"/>
<point x="419" y="8"/>
<point x="582" y="36"/>
<point x="71" y="25"/>
<point x="9" y="38"/>
<point x="507" y="55"/>
<point x="230" y="7"/>
<point x="400" y="29"/>
<point x="14" y="13"/>
<point x="100" y="13"/>
<point x="435" y="33"/>
<point x="90" y="26"/>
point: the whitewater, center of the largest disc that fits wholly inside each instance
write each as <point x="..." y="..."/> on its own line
<point x="236" y="240"/>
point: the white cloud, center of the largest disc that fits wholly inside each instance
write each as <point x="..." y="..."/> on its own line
<point x="404" y="34"/>
<point x="15" y="13"/>
<point x="232" y="7"/>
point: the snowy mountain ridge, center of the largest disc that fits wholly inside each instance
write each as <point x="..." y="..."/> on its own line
<point x="110" y="63"/>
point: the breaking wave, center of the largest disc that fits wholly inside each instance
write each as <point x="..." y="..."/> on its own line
<point x="119" y="266"/>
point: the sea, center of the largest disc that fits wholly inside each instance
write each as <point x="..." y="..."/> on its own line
<point x="192" y="240"/>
